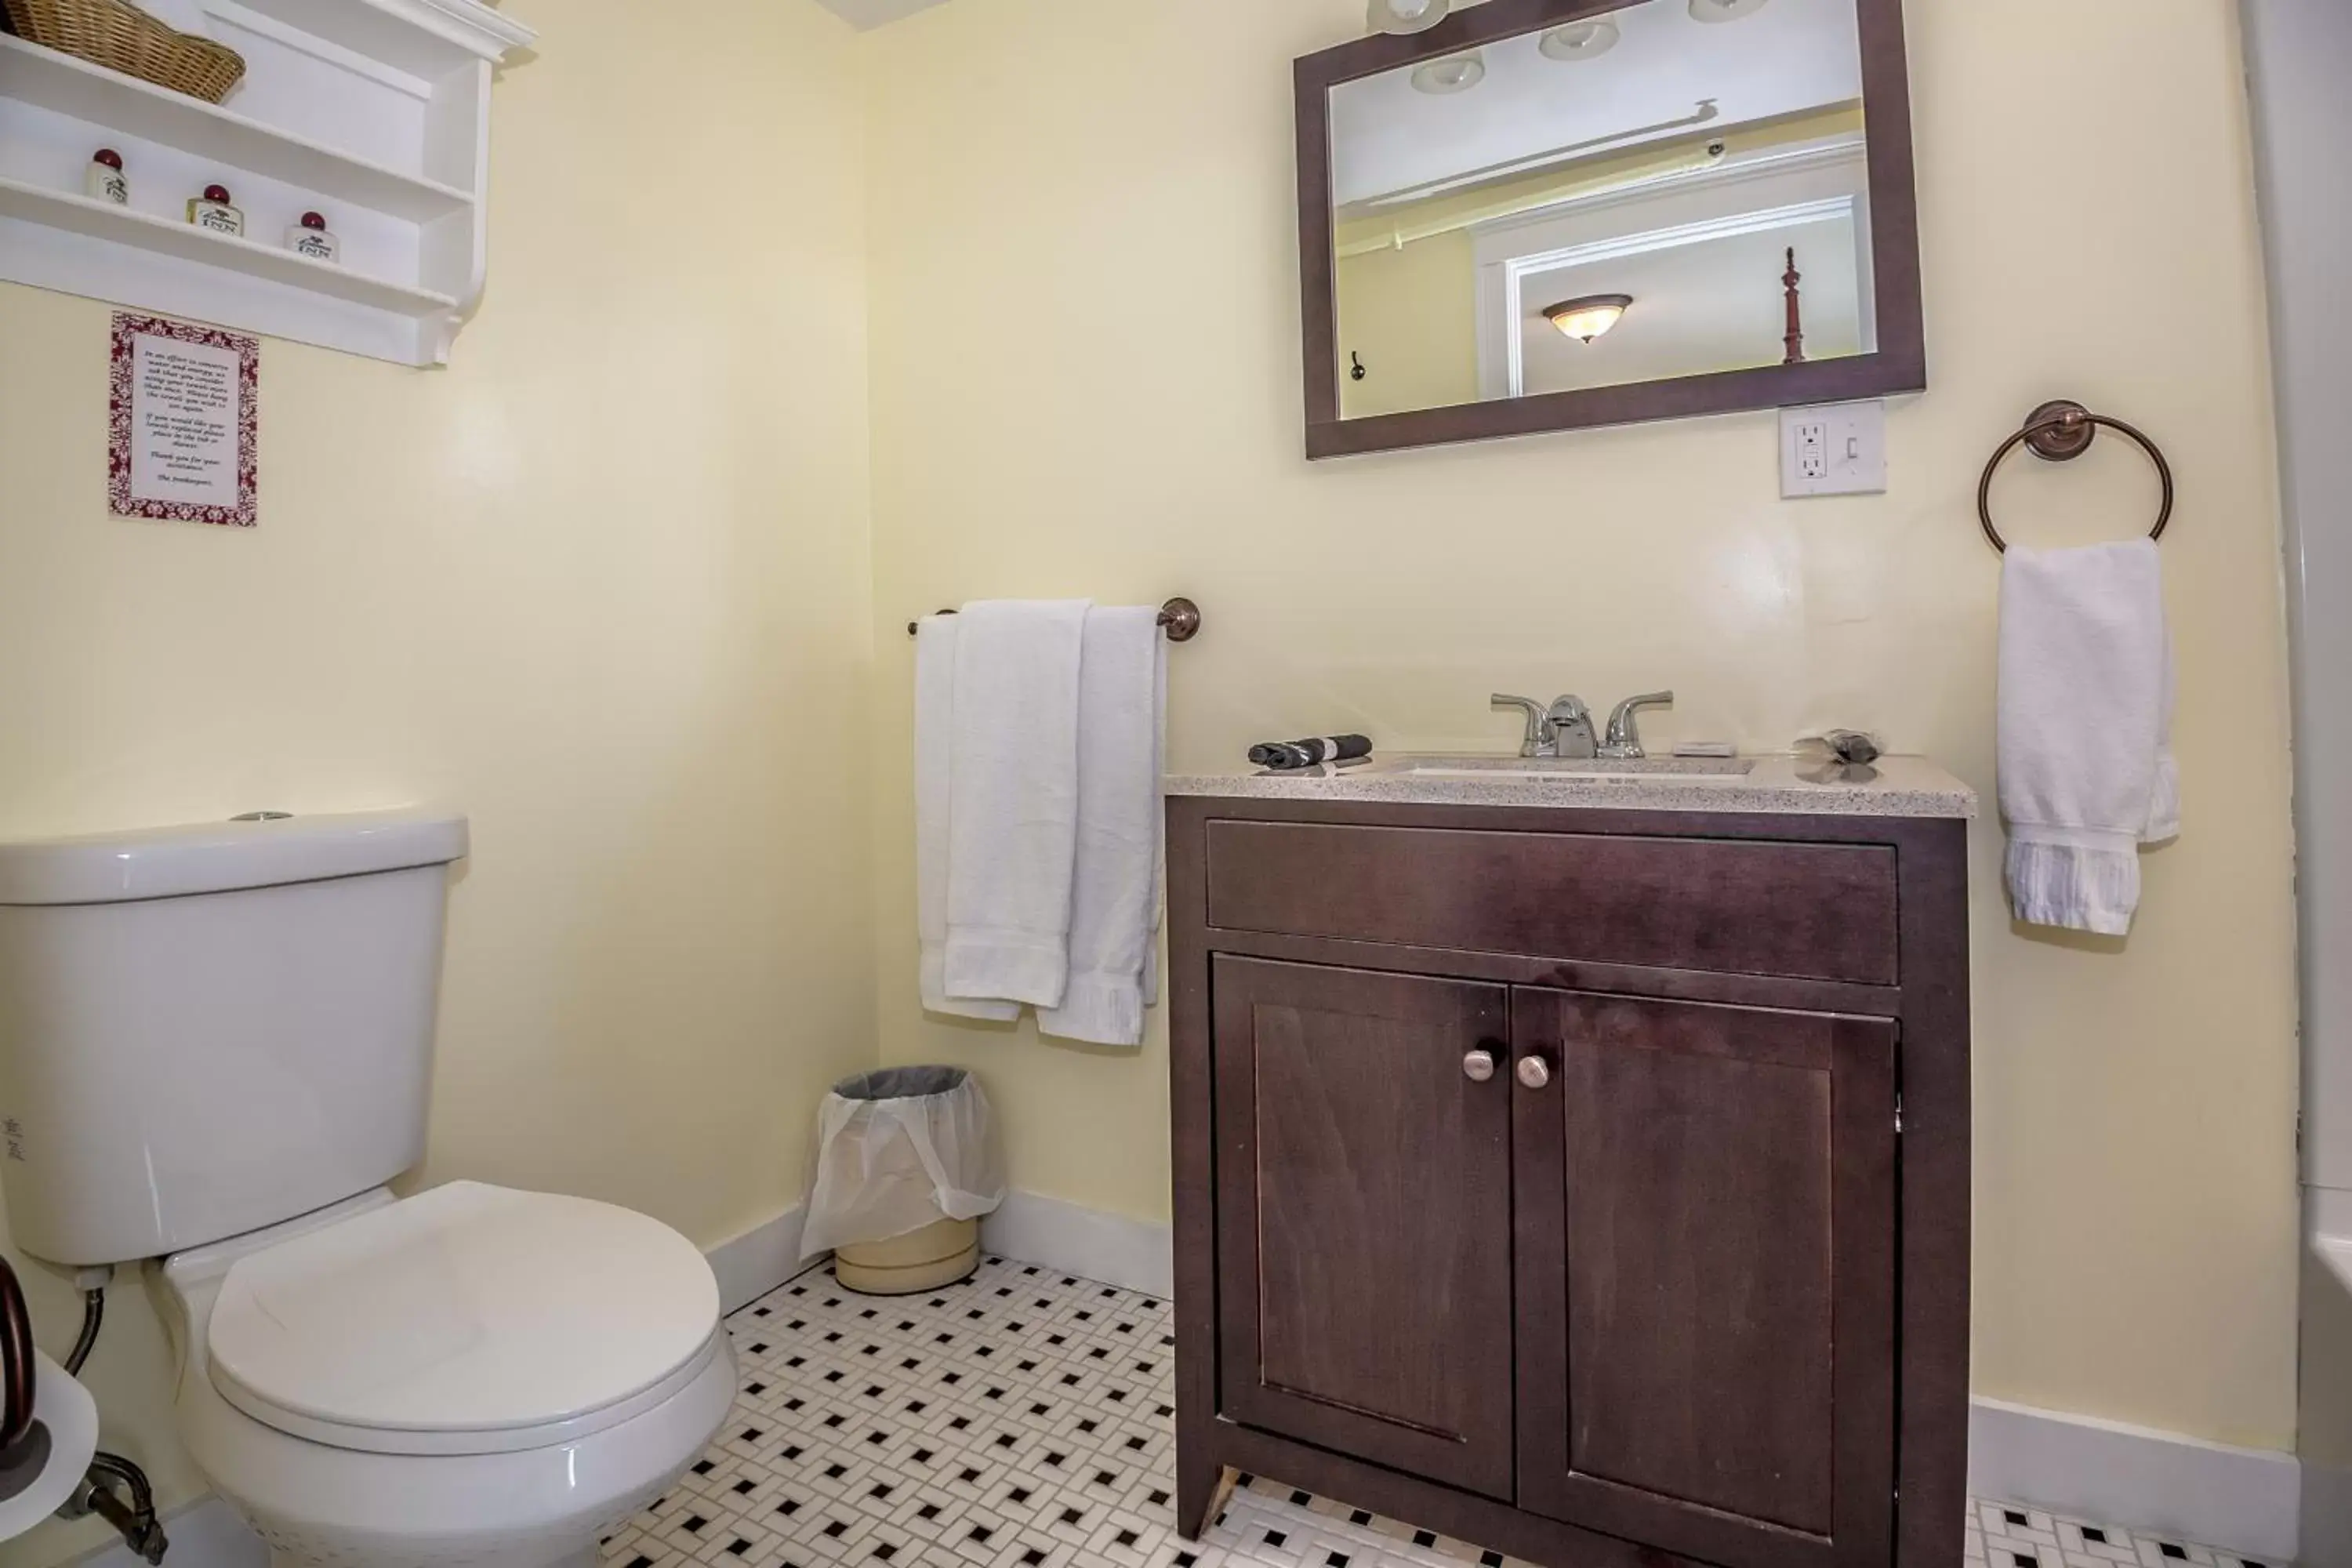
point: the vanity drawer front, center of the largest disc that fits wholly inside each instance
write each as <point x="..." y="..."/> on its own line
<point x="1811" y="911"/>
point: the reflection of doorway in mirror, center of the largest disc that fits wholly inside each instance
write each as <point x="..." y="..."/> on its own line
<point x="1707" y="259"/>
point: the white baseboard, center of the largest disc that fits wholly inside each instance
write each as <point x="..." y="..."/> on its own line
<point x="2247" y="1500"/>
<point x="763" y="1258"/>
<point x="1133" y="1254"/>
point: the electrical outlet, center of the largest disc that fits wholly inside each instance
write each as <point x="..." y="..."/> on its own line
<point x="1813" y="449"/>
<point x="1839" y="450"/>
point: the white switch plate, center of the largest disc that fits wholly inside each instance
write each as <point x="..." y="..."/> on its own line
<point x="1833" y="449"/>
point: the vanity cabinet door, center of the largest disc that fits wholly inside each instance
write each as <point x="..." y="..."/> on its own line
<point x="1363" y="1215"/>
<point x="1706" y="1228"/>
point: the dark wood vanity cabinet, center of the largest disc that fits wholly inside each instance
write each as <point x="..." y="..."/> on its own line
<point x="1589" y="1185"/>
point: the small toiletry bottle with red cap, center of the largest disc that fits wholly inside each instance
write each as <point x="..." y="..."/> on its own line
<point x="107" y="182"/>
<point x="310" y="238"/>
<point x="212" y="210"/>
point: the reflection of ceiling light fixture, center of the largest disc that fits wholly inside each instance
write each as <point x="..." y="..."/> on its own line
<point x="1580" y="41"/>
<point x="1406" y="16"/>
<point x="1458" y="73"/>
<point x="1588" y="318"/>
<point x="1723" y="10"/>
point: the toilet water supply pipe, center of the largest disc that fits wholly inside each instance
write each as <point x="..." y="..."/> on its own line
<point x="134" y="1520"/>
<point x="93" y="1313"/>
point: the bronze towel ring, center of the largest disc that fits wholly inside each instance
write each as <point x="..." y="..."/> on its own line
<point x="2059" y="431"/>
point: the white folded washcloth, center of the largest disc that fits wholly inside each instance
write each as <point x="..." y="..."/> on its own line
<point x="1013" y="799"/>
<point x="1115" y="892"/>
<point x="2086" y="769"/>
<point x="935" y="646"/>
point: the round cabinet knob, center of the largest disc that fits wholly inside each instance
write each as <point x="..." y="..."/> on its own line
<point x="1478" y="1066"/>
<point x="1535" y="1072"/>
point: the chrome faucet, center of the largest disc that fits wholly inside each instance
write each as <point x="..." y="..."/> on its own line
<point x="1562" y="729"/>
<point x="1624" y="741"/>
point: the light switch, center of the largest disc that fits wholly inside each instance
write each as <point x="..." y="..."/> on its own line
<point x="1833" y="449"/>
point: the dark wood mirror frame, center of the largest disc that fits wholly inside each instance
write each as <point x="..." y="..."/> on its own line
<point x="1899" y="366"/>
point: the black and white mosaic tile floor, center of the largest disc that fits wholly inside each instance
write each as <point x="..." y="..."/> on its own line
<point x="1025" y="1419"/>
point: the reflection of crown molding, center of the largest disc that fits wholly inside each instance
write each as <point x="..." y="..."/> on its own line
<point x="1770" y="164"/>
<point x="1793" y="215"/>
<point x="1536" y="162"/>
<point x="1517" y="269"/>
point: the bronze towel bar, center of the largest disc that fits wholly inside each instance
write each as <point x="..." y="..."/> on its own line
<point x="1180" y="616"/>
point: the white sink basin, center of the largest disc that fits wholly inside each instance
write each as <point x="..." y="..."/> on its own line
<point x="1681" y="770"/>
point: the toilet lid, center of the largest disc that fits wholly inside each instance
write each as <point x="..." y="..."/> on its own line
<point x="470" y="1319"/>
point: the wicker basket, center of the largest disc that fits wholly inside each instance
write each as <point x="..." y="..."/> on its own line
<point x="122" y="37"/>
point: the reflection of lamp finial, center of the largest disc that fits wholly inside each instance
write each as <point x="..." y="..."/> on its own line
<point x="1795" y="340"/>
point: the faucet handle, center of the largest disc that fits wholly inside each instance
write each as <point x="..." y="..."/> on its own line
<point x="1538" y="730"/>
<point x="1625" y="740"/>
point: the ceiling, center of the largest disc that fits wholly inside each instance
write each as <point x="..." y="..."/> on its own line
<point x="864" y="14"/>
<point x="1790" y="56"/>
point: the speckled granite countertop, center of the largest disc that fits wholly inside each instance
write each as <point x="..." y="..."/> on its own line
<point x="1894" y="787"/>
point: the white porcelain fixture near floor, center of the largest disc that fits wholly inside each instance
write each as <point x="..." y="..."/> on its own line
<point x="216" y="1042"/>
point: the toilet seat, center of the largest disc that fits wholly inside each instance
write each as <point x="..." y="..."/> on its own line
<point x="467" y="1320"/>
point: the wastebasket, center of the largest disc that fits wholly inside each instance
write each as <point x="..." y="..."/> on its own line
<point x="907" y="1163"/>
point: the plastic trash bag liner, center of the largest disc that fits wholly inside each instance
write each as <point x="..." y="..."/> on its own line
<point x="898" y="1149"/>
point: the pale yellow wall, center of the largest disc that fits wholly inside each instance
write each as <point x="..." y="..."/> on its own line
<point x="603" y="584"/>
<point x="1076" y="393"/>
<point x="1412" y="316"/>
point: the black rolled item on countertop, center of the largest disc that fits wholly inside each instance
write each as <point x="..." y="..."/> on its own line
<point x="1283" y="755"/>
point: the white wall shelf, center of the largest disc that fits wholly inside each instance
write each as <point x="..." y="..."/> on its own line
<point x="83" y="91"/>
<point x="374" y="112"/>
<point x="164" y="237"/>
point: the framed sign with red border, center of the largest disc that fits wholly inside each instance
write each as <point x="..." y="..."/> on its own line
<point x="182" y="422"/>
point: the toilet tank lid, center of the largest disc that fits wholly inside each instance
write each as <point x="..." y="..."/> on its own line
<point x="222" y="856"/>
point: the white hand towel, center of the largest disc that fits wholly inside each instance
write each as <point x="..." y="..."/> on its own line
<point x="935" y="646"/>
<point x="1013" y="799"/>
<point x="2086" y="769"/>
<point x="1158" y="821"/>
<point x="1115" y="893"/>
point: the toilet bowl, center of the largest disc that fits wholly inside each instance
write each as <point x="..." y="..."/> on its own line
<point x="472" y="1375"/>
<point x="224" y="1032"/>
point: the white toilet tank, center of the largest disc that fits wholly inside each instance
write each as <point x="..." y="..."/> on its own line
<point x="206" y="1030"/>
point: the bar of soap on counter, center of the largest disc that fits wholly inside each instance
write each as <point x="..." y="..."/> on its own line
<point x="1707" y="749"/>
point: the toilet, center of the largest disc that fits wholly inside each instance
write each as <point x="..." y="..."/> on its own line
<point x="216" y="1047"/>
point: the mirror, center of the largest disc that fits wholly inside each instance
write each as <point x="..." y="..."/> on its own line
<point x="1549" y="214"/>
